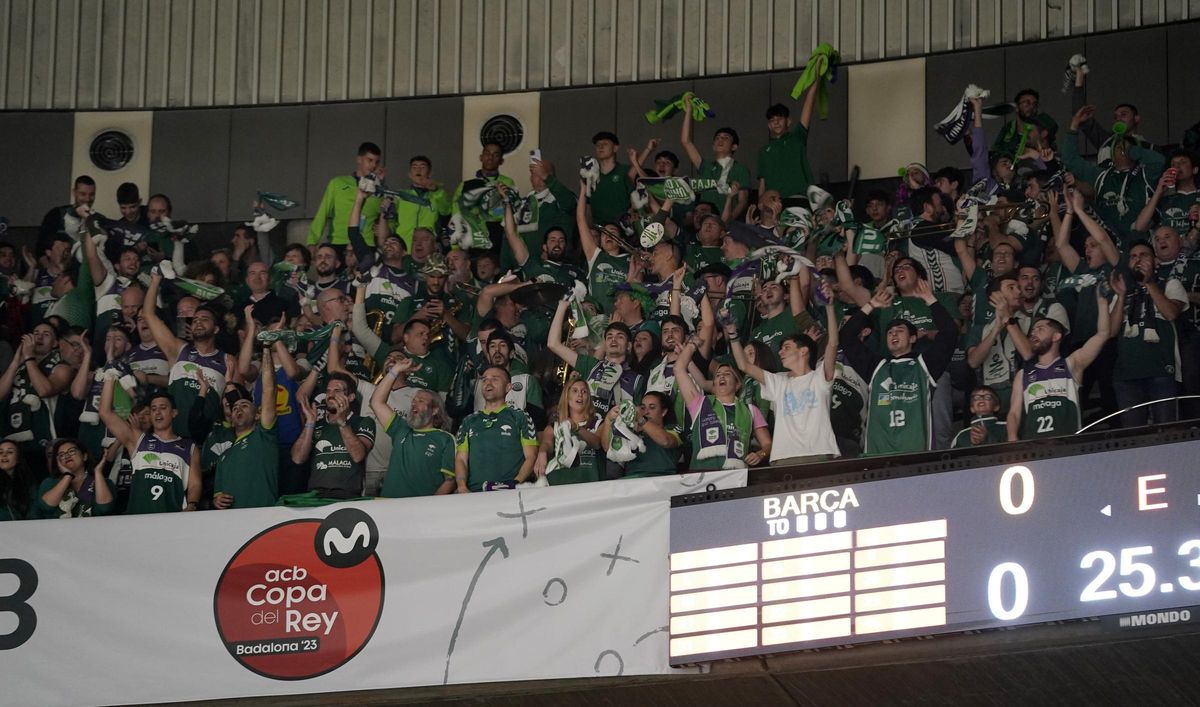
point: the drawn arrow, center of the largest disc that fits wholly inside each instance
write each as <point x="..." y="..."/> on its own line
<point x="493" y="545"/>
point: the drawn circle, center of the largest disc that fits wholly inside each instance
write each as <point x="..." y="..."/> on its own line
<point x="346" y="538"/>
<point x="286" y="614"/>
<point x="620" y="662"/>
<point x="504" y="130"/>
<point x="546" y="591"/>
<point x="111" y="150"/>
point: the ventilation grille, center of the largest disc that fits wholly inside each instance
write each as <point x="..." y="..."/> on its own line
<point x="503" y="130"/>
<point x="111" y="150"/>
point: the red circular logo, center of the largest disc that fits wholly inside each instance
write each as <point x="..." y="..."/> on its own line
<point x="302" y="598"/>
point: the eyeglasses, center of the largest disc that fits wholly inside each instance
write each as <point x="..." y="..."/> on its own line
<point x="985" y="397"/>
<point x="67" y="454"/>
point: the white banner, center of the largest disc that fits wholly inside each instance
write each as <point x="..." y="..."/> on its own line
<point x="558" y="582"/>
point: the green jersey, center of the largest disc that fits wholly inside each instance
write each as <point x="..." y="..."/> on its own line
<point x="783" y="162"/>
<point x="161" y="471"/>
<point x="31" y="417"/>
<point x="249" y="469"/>
<point x="1173" y="210"/>
<point x="610" y="198"/>
<point x="421" y="461"/>
<point x="604" y="273"/>
<point x="588" y="464"/>
<point x="772" y="330"/>
<point x="995" y="432"/>
<point x="74" y="504"/>
<point x="699" y="257"/>
<point x="432" y="373"/>
<point x="1050" y="399"/>
<point x="495" y="443"/>
<point x="334" y="470"/>
<point x="610" y="383"/>
<point x="657" y="460"/>
<point x="540" y="270"/>
<point x="898" y="417"/>
<point x="730" y="173"/>
<point x="917" y="312"/>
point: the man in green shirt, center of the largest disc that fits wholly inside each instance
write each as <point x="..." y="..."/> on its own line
<point x="338" y="201"/>
<point x="248" y="471"/>
<point x="427" y="200"/>
<point x="422" y="458"/>
<point x="611" y="380"/>
<point x="497" y="446"/>
<point x="722" y="167"/>
<point x="783" y="162"/>
<point x="610" y="198"/>
<point x="607" y="263"/>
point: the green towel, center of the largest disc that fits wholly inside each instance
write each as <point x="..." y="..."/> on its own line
<point x="664" y="110"/>
<point x="820" y="70"/>
<point x="312" y="499"/>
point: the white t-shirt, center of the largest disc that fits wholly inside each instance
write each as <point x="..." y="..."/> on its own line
<point x="801" y="405"/>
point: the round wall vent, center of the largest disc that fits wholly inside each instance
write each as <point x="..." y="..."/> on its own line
<point x="504" y="130"/>
<point x="111" y="150"/>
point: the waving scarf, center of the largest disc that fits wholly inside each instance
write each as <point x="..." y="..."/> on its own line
<point x="567" y="447"/>
<point x="711" y="429"/>
<point x="664" y="110"/>
<point x="625" y="444"/>
<point x="821" y="70"/>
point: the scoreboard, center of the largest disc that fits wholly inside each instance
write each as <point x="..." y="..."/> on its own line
<point x="1046" y="540"/>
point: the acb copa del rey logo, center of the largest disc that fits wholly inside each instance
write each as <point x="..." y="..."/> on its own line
<point x="303" y="597"/>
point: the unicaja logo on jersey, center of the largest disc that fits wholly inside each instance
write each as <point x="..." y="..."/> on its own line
<point x="302" y="598"/>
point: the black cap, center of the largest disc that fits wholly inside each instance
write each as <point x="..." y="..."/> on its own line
<point x="715" y="269"/>
<point x="751" y="236"/>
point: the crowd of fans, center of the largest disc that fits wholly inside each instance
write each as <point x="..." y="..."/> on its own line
<point x="624" y="323"/>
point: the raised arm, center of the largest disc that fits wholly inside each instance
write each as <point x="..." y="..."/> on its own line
<point x="379" y="399"/>
<point x="81" y="382"/>
<point x="586" y="240"/>
<point x="831" y="337"/>
<point x="245" y="359"/>
<point x="846" y="283"/>
<point x="1062" y="239"/>
<point x="685" y="134"/>
<point x="1146" y="215"/>
<point x="687" y="387"/>
<point x="739" y="356"/>
<point x="266" y="409"/>
<point x="1095" y="230"/>
<point x="1083" y="356"/>
<point x="555" y="342"/>
<point x="515" y="242"/>
<point x="1016" y="407"/>
<point x="810" y="100"/>
<point x="163" y="336"/>
<point x="363" y="334"/>
<point x="120" y="428"/>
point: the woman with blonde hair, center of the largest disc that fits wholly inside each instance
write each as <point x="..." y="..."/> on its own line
<point x="570" y="451"/>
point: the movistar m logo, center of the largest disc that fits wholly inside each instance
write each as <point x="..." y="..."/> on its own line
<point x="360" y="534"/>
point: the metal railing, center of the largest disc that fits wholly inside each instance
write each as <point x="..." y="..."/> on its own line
<point x="136" y="54"/>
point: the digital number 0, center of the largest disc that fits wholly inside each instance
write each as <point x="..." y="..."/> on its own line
<point x="995" y="588"/>
<point x="1006" y="490"/>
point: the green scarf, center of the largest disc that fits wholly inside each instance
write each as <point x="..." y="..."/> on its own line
<point x="820" y="71"/>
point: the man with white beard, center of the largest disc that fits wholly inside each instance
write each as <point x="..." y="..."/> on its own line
<point x="422" y="456"/>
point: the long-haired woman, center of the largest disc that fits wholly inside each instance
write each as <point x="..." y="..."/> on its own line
<point x="570" y="450"/>
<point x="16" y="484"/>
<point x="75" y="488"/>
